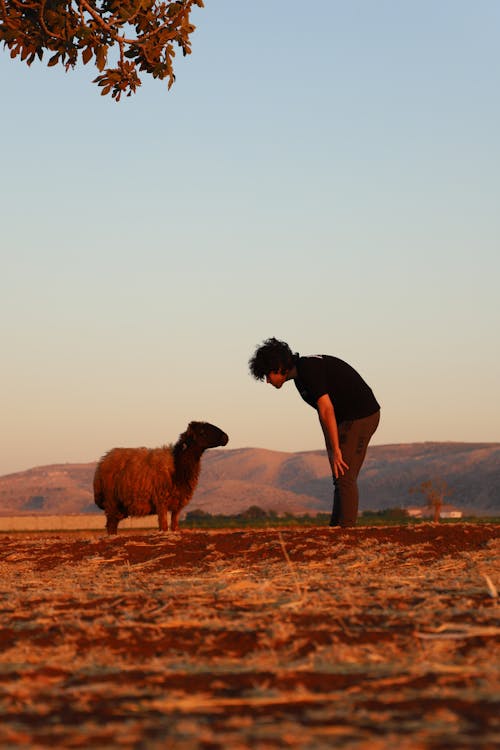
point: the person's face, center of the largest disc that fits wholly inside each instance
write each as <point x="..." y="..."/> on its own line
<point x="276" y="378"/>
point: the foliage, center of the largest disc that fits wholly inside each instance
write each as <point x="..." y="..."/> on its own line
<point x="253" y="517"/>
<point x="143" y="32"/>
<point x="386" y="516"/>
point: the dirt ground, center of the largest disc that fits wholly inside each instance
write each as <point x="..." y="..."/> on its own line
<point x="257" y="639"/>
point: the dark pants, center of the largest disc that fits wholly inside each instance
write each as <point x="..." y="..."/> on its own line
<point x="354" y="438"/>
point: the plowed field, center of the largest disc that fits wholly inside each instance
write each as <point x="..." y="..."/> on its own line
<point x="293" y="638"/>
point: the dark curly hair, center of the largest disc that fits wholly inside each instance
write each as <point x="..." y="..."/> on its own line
<point x="271" y="356"/>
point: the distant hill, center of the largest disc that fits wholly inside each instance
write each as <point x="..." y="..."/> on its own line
<point x="233" y="480"/>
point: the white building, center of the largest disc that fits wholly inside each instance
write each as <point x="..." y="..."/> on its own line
<point x="447" y="511"/>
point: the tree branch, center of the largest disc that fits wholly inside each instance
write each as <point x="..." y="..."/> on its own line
<point x="70" y="28"/>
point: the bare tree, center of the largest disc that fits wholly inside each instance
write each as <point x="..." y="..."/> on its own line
<point x="434" y="491"/>
<point x="142" y="32"/>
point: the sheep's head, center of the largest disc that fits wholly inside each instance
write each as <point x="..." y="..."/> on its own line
<point x="204" y="435"/>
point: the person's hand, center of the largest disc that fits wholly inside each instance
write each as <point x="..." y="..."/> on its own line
<point x="339" y="466"/>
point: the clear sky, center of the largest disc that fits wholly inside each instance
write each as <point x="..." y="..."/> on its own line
<point x="327" y="173"/>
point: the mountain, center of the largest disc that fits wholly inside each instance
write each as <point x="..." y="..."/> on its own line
<point x="233" y="480"/>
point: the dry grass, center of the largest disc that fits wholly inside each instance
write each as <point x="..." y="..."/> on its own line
<point x="73" y="522"/>
<point x="304" y="638"/>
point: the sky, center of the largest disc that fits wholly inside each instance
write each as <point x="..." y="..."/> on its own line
<point x="325" y="173"/>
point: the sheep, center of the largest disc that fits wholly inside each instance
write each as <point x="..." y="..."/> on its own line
<point x="144" y="481"/>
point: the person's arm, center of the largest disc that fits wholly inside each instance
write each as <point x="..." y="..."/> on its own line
<point x="326" y="414"/>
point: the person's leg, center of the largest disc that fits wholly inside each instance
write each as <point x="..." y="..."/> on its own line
<point x="354" y="437"/>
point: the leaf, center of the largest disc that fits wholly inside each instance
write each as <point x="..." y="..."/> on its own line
<point x="100" y="57"/>
<point x="69" y="36"/>
<point x="173" y="9"/>
<point x="86" y="55"/>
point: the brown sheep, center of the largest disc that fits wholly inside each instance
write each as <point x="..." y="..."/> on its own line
<point x="144" y="481"/>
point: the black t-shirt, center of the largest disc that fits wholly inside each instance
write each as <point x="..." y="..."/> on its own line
<point x="351" y="397"/>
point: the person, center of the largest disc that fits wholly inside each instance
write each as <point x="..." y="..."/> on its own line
<point x="347" y="409"/>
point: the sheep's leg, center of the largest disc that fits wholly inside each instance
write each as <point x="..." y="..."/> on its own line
<point x="113" y="518"/>
<point x="112" y="524"/>
<point x="175" y="520"/>
<point x="164" y="519"/>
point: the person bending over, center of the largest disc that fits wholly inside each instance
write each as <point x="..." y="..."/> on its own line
<point x="347" y="409"/>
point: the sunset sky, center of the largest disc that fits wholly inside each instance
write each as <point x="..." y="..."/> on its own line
<point x="327" y="173"/>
